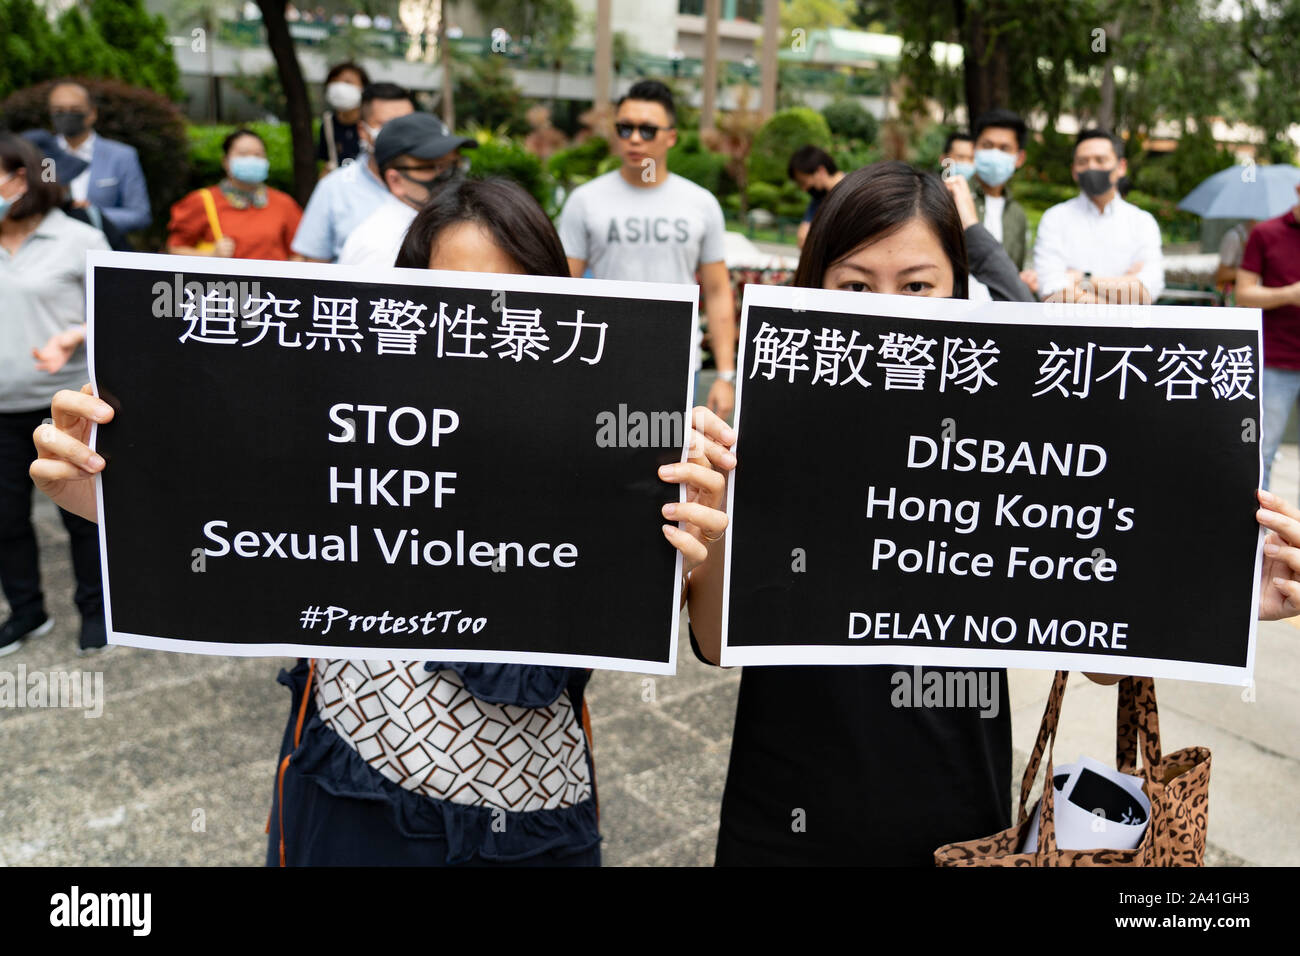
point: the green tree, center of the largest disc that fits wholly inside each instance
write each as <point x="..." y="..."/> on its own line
<point x="1268" y="34"/>
<point x="138" y="40"/>
<point x="485" y="91"/>
<point x="28" y="51"/>
<point x="82" y="49"/>
<point x="809" y="15"/>
<point x="105" y="38"/>
<point x="1123" y="64"/>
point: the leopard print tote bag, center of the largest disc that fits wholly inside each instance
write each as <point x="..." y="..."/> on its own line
<point x="1178" y="786"/>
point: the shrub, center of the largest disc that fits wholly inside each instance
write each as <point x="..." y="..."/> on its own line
<point x="779" y="137"/>
<point x="502" y="157"/>
<point x="854" y="155"/>
<point x="1041" y="195"/>
<point x="485" y="92"/>
<point x="848" y="119"/>
<point x="1156" y="177"/>
<point x="763" y="196"/>
<point x="925" y="147"/>
<point x="1048" y="158"/>
<point x="786" y="200"/>
<point x="575" y="165"/>
<point x="1197" y="157"/>
<point x="206" y="156"/>
<point x="138" y="117"/>
<point x="692" y="160"/>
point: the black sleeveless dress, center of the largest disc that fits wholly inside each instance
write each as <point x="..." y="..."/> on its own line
<point x="826" y="770"/>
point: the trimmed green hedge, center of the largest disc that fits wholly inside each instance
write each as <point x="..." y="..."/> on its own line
<point x="779" y="137"/>
<point x="691" y="159"/>
<point x="497" y="157"/>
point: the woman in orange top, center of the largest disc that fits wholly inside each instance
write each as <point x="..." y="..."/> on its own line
<point x="240" y="216"/>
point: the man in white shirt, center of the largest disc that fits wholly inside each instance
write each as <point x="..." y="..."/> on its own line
<point x="344" y="198"/>
<point x="1097" y="247"/>
<point x="641" y="222"/>
<point x="415" y="155"/>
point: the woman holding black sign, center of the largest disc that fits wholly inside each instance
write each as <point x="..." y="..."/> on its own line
<point x="826" y="767"/>
<point x="371" y="776"/>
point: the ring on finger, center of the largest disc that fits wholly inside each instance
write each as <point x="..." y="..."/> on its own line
<point x="711" y="538"/>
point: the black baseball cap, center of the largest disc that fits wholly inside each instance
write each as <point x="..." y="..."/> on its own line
<point x="421" y="135"/>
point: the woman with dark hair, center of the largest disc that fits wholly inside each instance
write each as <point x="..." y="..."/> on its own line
<point x="340" y="140"/>
<point x="43" y="271"/>
<point x="480" y="764"/>
<point x="241" y="216"/>
<point x="824" y="769"/>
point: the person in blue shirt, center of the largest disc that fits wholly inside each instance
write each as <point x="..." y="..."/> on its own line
<point x="343" y="199"/>
<point x="816" y="173"/>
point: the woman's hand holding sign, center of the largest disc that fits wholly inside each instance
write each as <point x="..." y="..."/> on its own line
<point x="1279" y="579"/>
<point x="65" y="463"/>
<point x="706" y="487"/>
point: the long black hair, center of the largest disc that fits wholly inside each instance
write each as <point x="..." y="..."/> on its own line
<point x="868" y="205"/>
<point x="42" y="195"/>
<point x="502" y="207"/>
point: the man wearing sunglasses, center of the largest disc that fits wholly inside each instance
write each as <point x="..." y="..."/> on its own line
<point x="415" y="155"/>
<point x="639" y="222"/>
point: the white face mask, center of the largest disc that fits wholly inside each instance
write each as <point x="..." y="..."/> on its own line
<point x="343" y="96"/>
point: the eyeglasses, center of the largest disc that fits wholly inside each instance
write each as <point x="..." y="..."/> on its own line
<point x="647" y="130"/>
<point x="460" y="164"/>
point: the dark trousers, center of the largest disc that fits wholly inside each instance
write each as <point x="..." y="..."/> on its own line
<point x="20" y="573"/>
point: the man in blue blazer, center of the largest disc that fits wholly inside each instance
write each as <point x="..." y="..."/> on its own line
<point x="113" y="182"/>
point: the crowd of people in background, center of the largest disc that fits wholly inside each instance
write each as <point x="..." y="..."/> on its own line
<point x="393" y="191"/>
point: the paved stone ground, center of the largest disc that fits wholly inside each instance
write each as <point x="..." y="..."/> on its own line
<point x="183" y="733"/>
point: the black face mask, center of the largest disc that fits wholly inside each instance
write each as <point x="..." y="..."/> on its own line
<point x="69" y="124"/>
<point x="818" y="194"/>
<point x="1095" y="182"/>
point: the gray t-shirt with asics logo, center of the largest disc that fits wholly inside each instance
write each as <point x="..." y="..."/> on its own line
<point x="657" y="233"/>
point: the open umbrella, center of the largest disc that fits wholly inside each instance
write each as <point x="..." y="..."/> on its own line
<point x="1244" y="192"/>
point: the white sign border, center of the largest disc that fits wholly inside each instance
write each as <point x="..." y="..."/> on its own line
<point x="330" y="272"/>
<point x="870" y="304"/>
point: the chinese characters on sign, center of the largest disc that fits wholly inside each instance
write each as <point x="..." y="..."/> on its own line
<point x="396" y="326"/>
<point x="907" y="361"/>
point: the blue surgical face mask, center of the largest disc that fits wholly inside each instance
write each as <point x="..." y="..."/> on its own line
<point x="7" y="204"/>
<point x="993" y="166"/>
<point x="250" y="169"/>
<point x="960" y="169"/>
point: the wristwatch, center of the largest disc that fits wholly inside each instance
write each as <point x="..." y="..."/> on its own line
<point x="729" y="376"/>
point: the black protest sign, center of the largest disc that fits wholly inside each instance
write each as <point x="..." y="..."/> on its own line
<point x="939" y="482"/>
<point x="320" y="461"/>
